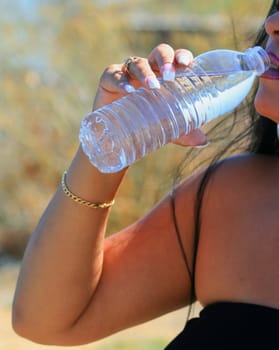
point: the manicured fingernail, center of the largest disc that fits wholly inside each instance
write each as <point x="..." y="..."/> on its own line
<point x="129" y="88"/>
<point x="183" y="59"/>
<point x="168" y="72"/>
<point x="152" y="82"/>
<point x="202" y="146"/>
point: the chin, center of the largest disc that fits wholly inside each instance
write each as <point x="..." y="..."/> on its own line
<point x="267" y="102"/>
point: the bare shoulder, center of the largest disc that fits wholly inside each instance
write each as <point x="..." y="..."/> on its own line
<point x="243" y="180"/>
<point x="230" y="175"/>
<point x="245" y="185"/>
<point x="243" y="170"/>
<point x="239" y="232"/>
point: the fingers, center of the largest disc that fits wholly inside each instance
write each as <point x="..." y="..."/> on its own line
<point x="114" y="80"/>
<point x="112" y="86"/>
<point x="161" y="59"/>
<point x="140" y="70"/>
<point x="184" y="57"/>
<point x="196" y="138"/>
<point x="165" y="60"/>
<point x="162" y="62"/>
<point x="120" y="79"/>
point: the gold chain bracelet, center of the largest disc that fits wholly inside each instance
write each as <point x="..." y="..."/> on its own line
<point x="81" y="201"/>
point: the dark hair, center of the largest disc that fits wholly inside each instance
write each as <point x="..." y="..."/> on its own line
<point x="261" y="134"/>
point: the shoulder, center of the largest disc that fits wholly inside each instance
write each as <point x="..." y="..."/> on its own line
<point x="232" y="169"/>
<point x="241" y="185"/>
<point x="238" y="233"/>
<point x="228" y="181"/>
<point x="242" y="170"/>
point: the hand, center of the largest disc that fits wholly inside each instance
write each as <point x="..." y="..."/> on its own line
<point x="163" y="61"/>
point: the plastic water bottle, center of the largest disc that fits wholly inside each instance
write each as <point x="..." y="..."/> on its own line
<point x="124" y="131"/>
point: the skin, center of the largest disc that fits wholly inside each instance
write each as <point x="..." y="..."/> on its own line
<point x="267" y="95"/>
<point x="75" y="286"/>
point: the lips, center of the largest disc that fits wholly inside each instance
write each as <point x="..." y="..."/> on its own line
<point x="273" y="72"/>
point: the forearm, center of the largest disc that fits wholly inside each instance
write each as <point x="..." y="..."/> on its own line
<point x="63" y="261"/>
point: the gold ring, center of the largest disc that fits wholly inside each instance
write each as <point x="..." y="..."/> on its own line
<point x="127" y="62"/>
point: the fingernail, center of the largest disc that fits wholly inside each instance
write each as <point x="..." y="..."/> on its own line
<point x="202" y="146"/>
<point x="168" y="72"/>
<point x="152" y="82"/>
<point x="129" y="88"/>
<point x="183" y="59"/>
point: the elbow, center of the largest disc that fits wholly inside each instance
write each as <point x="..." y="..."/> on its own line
<point x="35" y="335"/>
<point x="40" y="333"/>
<point x="33" y="331"/>
<point x="17" y="320"/>
<point x="19" y="326"/>
<point x="25" y="329"/>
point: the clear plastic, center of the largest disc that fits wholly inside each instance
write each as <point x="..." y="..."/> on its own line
<point x="124" y="131"/>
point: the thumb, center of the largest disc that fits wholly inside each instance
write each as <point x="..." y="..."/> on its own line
<point x="195" y="138"/>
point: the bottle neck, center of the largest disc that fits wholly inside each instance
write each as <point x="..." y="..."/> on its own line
<point x="257" y="59"/>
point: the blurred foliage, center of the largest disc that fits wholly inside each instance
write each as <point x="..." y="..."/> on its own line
<point x="51" y="60"/>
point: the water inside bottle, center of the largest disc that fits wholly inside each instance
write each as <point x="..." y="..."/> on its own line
<point x="143" y="121"/>
<point x="229" y="90"/>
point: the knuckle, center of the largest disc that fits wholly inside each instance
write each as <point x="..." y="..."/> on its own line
<point x="111" y="69"/>
<point x="138" y="65"/>
<point x="164" y="53"/>
<point x="186" y="52"/>
<point x="141" y="62"/>
<point x="164" y="46"/>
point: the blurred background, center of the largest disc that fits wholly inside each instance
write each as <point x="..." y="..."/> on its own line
<point x="52" y="54"/>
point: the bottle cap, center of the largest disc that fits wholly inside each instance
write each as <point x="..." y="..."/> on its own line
<point x="259" y="59"/>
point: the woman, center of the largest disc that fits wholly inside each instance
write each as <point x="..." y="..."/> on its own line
<point x="76" y="287"/>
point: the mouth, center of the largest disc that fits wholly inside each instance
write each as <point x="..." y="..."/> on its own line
<point x="273" y="72"/>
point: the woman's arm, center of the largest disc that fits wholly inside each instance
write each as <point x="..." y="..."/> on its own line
<point x="74" y="286"/>
<point x="63" y="261"/>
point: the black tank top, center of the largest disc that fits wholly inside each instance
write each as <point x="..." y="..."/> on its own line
<point x="230" y="325"/>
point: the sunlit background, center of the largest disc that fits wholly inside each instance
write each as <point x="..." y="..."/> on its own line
<point x="52" y="54"/>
